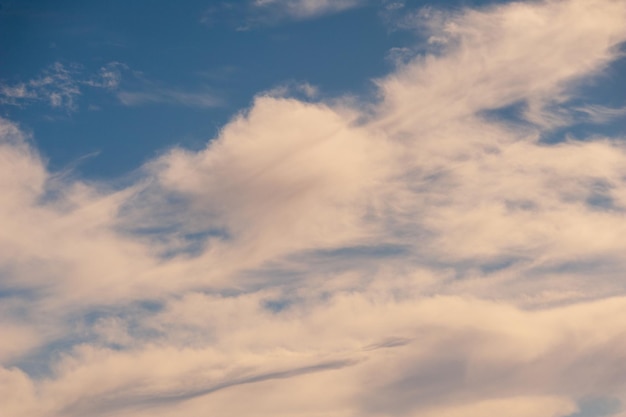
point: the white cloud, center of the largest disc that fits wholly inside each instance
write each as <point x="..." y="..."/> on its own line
<point x="412" y="257"/>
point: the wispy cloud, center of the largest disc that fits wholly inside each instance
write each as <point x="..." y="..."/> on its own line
<point x="602" y="114"/>
<point x="56" y="86"/>
<point x="255" y="13"/>
<point x="169" y="96"/>
<point x="306" y="9"/>
<point x="60" y="85"/>
<point x="305" y="90"/>
<point x="408" y="257"/>
<point x="108" y="77"/>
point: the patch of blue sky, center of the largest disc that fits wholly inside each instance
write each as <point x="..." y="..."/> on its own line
<point x="10" y="292"/>
<point x="369" y="252"/>
<point x="194" y="244"/>
<point x="37" y="363"/>
<point x="598" y="407"/>
<point x="277" y="305"/>
<point x="86" y="327"/>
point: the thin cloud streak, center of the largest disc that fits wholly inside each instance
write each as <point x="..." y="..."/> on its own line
<point x="261" y="13"/>
<point x="169" y="96"/>
<point x="60" y="87"/>
<point x="306" y="9"/>
<point x="117" y="402"/>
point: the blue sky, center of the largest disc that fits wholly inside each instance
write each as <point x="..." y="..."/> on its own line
<point x="182" y="71"/>
<point x="199" y="49"/>
<point x="195" y="64"/>
<point x="348" y="208"/>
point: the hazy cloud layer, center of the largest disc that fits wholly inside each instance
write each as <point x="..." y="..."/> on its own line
<point x="418" y="256"/>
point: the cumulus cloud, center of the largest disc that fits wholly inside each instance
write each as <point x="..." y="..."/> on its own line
<point x="412" y="257"/>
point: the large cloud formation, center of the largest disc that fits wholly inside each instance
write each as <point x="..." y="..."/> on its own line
<point x="419" y="256"/>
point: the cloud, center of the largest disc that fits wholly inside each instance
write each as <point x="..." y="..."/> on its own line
<point x="108" y="77"/>
<point x="601" y="114"/>
<point x="254" y="13"/>
<point x="306" y="9"/>
<point x="60" y="85"/>
<point x="416" y="256"/>
<point x="168" y="96"/>
<point x="56" y="86"/>
<point x="305" y="90"/>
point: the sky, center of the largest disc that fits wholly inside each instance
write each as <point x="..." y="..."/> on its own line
<point x="304" y="208"/>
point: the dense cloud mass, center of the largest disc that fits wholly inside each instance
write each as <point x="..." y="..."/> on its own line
<point x="418" y="256"/>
